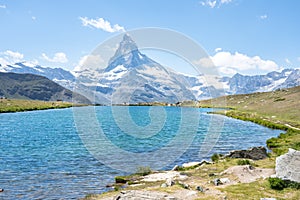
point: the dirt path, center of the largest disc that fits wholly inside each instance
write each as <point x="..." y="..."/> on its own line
<point x="292" y="127"/>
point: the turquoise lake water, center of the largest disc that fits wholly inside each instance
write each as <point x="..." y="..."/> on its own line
<point x="43" y="154"/>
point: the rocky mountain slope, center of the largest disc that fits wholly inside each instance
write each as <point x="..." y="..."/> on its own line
<point x="240" y="84"/>
<point x="58" y="75"/>
<point x="131" y="76"/>
<point x="35" y="87"/>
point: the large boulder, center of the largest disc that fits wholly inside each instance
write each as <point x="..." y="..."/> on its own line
<point x="288" y="166"/>
<point x="255" y="153"/>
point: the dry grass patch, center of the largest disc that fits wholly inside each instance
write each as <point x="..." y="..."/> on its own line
<point x="258" y="189"/>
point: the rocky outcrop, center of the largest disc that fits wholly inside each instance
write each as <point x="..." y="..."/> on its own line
<point x="191" y="164"/>
<point x="163" y="176"/>
<point x="288" y="166"/>
<point x="248" y="174"/>
<point x="146" y="195"/>
<point x="220" y="181"/>
<point x="255" y="153"/>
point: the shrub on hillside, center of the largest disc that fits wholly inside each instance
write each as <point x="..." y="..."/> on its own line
<point x="215" y="157"/>
<point x="244" y="162"/>
<point x="279" y="184"/>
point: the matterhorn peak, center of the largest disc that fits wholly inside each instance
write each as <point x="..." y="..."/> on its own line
<point x="128" y="55"/>
<point x="126" y="46"/>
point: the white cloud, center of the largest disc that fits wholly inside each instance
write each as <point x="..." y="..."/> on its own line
<point x="288" y="61"/>
<point x="263" y="16"/>
<point x="10" y="57"/>
<point x="209" y="3"/>
<point x="58" y="57"/>
<point x="33" y="18"/>
<point x="14" y="54"/>
<point x="215" y="3"/>
<point x="89" y="61"/>
<point x="218" y="49"/>
<point x="229" y="63"/>
<point x="225" y="1"/>
<point x="3" y="6"/>
<point x="228" y="71"/>
<point x="101" y="23"/>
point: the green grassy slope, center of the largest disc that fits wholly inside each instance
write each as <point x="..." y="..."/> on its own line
<point x="18" y="105"/>
<point x="278" y="109"/>
<point x="282" y="107"/>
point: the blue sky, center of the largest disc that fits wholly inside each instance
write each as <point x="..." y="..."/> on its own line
<point x="245" y="36"/>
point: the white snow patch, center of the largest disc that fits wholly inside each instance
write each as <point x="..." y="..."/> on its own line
<point x="272" y="86"/>
<point x="119" y="68"/>
<point x="140" y="56"/>
<point x="116" y="73"/>
<point x="212" y="80"/>
<point x="95" y="84"/>
<point x="28" y="64"/>
<point x="287" y="73"/>
<point x="15" y="66"/>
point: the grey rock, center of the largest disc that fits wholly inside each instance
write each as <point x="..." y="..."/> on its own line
<point x="217" y="182"/>
<point x="224" y="180"/>
<point x="184" y="185"/>
<point x="200" y="189"/>
<point x="191" y="164"/>
<point x="288" y="166"/>
<point x="145" y="195"/>
<point x="255" y="153"/>
<point x="163" y="185"/>
<point x="170" y="182"/>
<point x="220" y="181"/>
<point x="195" y="164"/>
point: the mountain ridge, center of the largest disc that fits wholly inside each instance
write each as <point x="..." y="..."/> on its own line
<point x="129" y="69"/>
<point x="35" y="87"/>
<point x="132" y="77"/>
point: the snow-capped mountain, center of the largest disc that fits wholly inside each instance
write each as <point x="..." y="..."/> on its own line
<point x="131" y="76"/>
<point x="58" y="75"/>
<point x="240" y="84"/>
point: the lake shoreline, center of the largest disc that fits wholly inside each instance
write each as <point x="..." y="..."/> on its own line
<point x="21" y="105"/>
<point x="232" y="113"/>
<point x="276" y="144"/>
